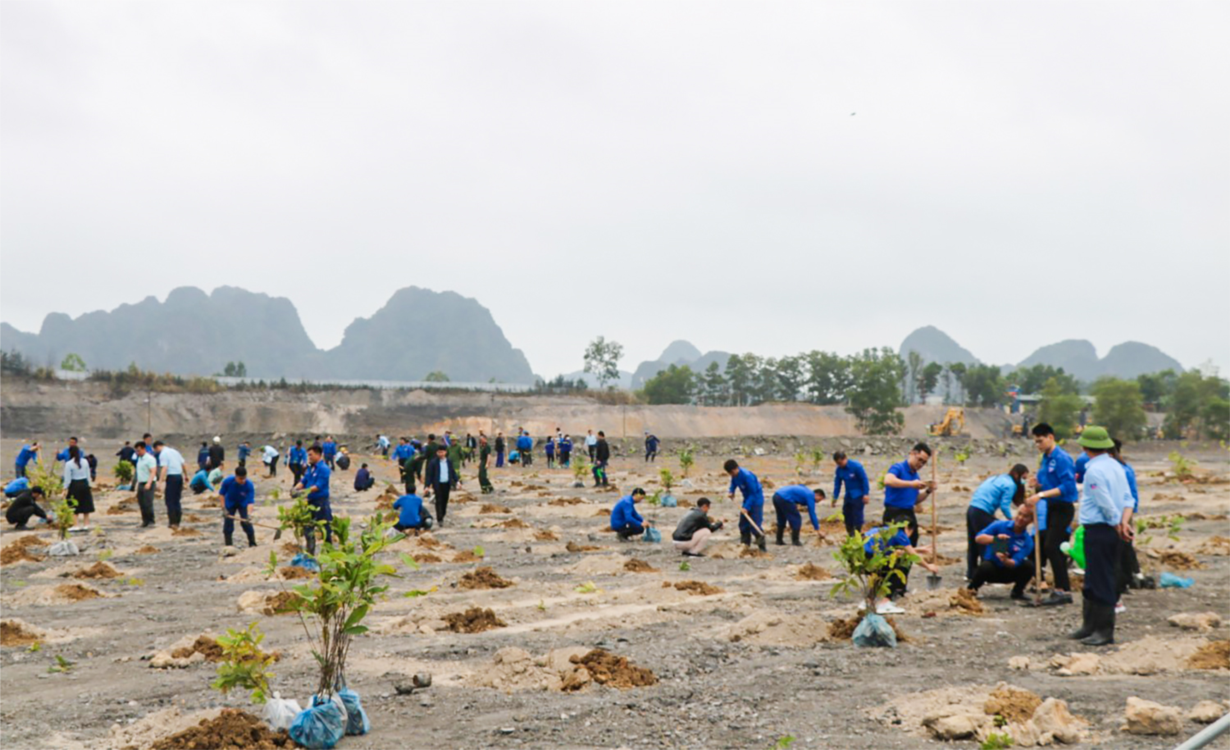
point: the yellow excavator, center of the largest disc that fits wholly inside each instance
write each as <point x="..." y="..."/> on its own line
<point x="953" y="424"/>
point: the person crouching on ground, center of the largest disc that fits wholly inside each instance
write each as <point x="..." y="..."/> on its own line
<point x="1007" y="553"/>
<point x="897" y="584"/>
<point x="411" y="515"/>
<point x="24" y="507"/>
<point x="363" y="479"/>
<point x="694" y="530"/>
<point x="999" y="492"/>
<point x="237" y="495"/>
<point x="787" y="501"/>
<point x="625" y="521"/>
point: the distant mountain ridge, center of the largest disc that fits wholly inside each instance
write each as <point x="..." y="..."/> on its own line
<point x="417" y="332"/>
<point x="1077" y="357"/>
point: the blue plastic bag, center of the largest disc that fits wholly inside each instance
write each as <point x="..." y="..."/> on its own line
<point x="669" y="501"/>
<point x="1172" y="581"/>
<point x="356" y="717"/>
<point x="875" y="631"/>
<point x="651" y="535"/>
<point x="320" y="727"/>
<point x="305" y="561"/>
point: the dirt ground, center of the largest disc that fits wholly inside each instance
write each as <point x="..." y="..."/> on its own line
<point x="742" y="667"/>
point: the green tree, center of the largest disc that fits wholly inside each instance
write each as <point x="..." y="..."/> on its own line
<point x="1059" y="409"/>
<point x="674" y="385"/>
<point x="914" y="366"/>
<point x="241" y="370"/>
<point x="1156" y="387"/>
<point x="875" y="391"/>
<point x="229" y="370"/>
<point x="928" y="379"/>
<point x="713" y="385"/>
<point x="1194" y="409"/>
<point x="73" y="363"/>
<point x="957" y="371"/>
<point x="828" y="377"/>
<point x="983" y="385"/>
<point x="436" y="376"/>
<point x="1033" y="379"/>
<point x="602" y="360"/>
<point x="790" y="378"/>
<point x="1119" y="407"/>
<point x="739" y="376"/>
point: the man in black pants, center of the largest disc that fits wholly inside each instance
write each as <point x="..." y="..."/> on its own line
<point x="602" y="456"/>
<point x="24" y="507"/>
<point x="1014" y="562"/>
<point x="1056" y="483"/>
<point x="998" y="493"/>
<point x="441" y="478"/>
<point x="901" y="490"/>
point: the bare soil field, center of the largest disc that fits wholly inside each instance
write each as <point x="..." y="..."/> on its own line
<point x="573" y="639"/>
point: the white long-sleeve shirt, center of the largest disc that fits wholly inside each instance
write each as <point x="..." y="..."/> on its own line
<point x="74" y="472"/>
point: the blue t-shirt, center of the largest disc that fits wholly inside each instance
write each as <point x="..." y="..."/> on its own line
<point x="1131" y="480"/>
<point x="1078" y="467"/>
<point x="17" y="485"/>
<point x="801" y="495"/>
<point x="854" y="477"/>
<point x="328" y="448"/>
<point x="25" y="456"/>
<point x="995" y="494"/>
<point x="236" y="494"/>
<point x="1056" y="469"/>
<point x="410" y="510"/>
<point x="297" y="455"/>
<point x="1020" y="544"/>
<point x="901" y="497"/>
<point x="316" y="479"/>
<point x="624" y="513"/>
<point x="900" y="539"/>
<point x="749" y="485"/>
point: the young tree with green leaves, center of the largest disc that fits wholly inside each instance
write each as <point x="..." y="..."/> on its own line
<point x="73" y="363"/>
<point x="828" y="377"/>
<point x="1119" y="407"/>
<point x="674" y="385"/>
<point x="602" y="360"/>
<point x="875" y="391"/>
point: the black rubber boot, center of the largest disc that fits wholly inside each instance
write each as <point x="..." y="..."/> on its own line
<point x="251" y="532"/>
<point x="228" y="540"/>
<point x="1104" y="625"/>
<point x="1086" y="628"/>
<point x="761" y="542"/>
<point x="794" y="538"/>
<point x="780" y="532"/>
<point x="745" y="538"/>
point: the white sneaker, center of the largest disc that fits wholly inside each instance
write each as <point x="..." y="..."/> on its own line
<point x="862" y="607"/>
<point x="1120" y="608"/>
<point x="888" y="608"/>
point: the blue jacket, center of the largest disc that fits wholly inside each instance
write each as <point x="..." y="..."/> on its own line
<point x="62" y="455"/>
<point x="410" y="510"/>
<point x="200" y="480"/>
<point x="296" y="455"/>
<point x="525" y="443"/>
<point x="800" y="495"/>
<point x="26" y="455"/>
<point x="565" y="446"/>
<point x="1056" y="469"/>
<point x="749" y="485"/>
<point x="900" y="539"/>
<point x="550" y="447"/>
<point x="403" y="451"/>
<point x="316" y="478"/>
<point x="995" y="494"/>
<point x="329" y="448"/>
<point x="651" y="443"/>
<point x="1078" y="467"/>
<point x="1131" y="479"/>
<point x="854" y="477"/>
<point x="624" y="513"/>
<point x="235" y="494"/>
<point x="901" y="497"/>
<point x="1020" y="545"/>
<point x="17" y="485"/>
<point x="244" y="452"/>
<point x="202" y="458"/>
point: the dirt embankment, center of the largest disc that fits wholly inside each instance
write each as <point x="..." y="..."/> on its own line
<point x="50" y="409"/>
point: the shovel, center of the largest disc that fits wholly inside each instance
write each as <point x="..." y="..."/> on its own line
<point x="276" y="529"/>
<point x="934" y="580"/>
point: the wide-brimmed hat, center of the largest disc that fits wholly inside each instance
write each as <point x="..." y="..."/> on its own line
<point x="1096" y="438"/>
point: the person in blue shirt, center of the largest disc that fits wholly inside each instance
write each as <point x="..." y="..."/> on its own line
<point x="904" y="491"/>
<point x="237" y="495"/>
<point x="625" y="521"/>
<point x="1129" y="565"/>
<point x="787" y="501"/>
<point x="382" y="442"/>
<point x="1106" y="515"/>
<point x="363" y="479"/>
<point x="998" y="493"/>
<point x="296" y="460"/>
<point x="1007" y="553"/>
<point x="565" y="452"/>
<point x="329" y="448"/>
<point x="549" y="449"/>
<point x="411" y="515"/>
<point x="1078" y="467"/>
<point x="1055" y="482"/>
<point x="16" y="487"/>
<point x="858" y="491"/>
<point x="202" y="456"/>
<point x="63" y="455"/>
<point x="651" y="446"/>
<point x="874" y="541"/>
<point x="753" y="503"/>
<point x="27" y="454"/>
<point x="245" y="450"/>
<point x="525" y="448"/>
<point x="200" y="482"/>
<point x="316" y="482"/>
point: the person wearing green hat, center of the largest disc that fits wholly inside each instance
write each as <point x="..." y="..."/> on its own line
<point x="1106" y="516"/>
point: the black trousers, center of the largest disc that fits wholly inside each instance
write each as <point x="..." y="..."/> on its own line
<point x="630" y="531"/>
<point x="172" y="494"/>
<point x="273" y="466"/>
<point x="1058" y="516"/>
<point x="296" y="472"/>
<point x="1101" y="562"/>
<point x="442" y="491"/>
<point x="20" y="515"/>
<point x="897" y="515"/>
<point x="145" y="500"/>
<point x="1129" y="566"/>
<point x="989" y="572"/>
<point x="976" y="519"/>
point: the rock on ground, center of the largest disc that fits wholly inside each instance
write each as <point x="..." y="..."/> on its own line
<point x="1206" y="712"/>
<point x="1202" y="622"/>
<point x="1147" y="717"/>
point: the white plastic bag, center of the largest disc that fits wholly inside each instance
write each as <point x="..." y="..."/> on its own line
<point x="279" y="712"/>
<point x="63" y="548"/>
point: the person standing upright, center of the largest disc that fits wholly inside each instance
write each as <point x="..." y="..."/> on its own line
<point x="296" y="461"/>
<point x="591" y="445"/>
<point x="484" y="457"/>
<point x="316" y="481"/>
<point x="217" y="454"/>
<point x="858" y="491"/>
<point x="902" y="490"/>
<point x="77" y="482"/>
<point x="441" y="478"/>
<point x="499" y="450"/>
<point x="748" y="485"/>
<point x="602" y="457"/>
<point x="549" y="449"/>
<point x="245" y="450"/>
<point x="1055" y="483"/>
<point x="237" y="493"/>
<point x="145" y="478"/>
<point x="171" y="474"/>
<point x="651" y="446"/>
<point x="330" y="451"/>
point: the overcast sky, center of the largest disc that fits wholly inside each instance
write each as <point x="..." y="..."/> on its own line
<point x="768" y="177"/>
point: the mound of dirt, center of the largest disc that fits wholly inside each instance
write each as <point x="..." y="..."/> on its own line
<point x="545" y="535"/>
<point x="493" y="508"/>
<point x="1212" y="655"/>
<point x="427" y="557"/>
<point x="75" y="592"/>
<point x="97" y="571"/>
<point x="514" y="523"/>
<point x="185" y="531"/>
<point x="574" y="547"/>
<point x="385" y="500"/>
<point x="466" y="556"/>
<point x="19" y="551"/>
<point x="1012" y="703"/>
<point x="561" y="501"/>
<point x="473" y="620"/>
<point x="966" y="602"/>
<point x="233" y="729"/>
<point x="18" y="633"/>
<point x="294" y="573"/>
<point x="697" y="588"/>
<point x="777" y="629"/>
<point x="428" y="541"/>
<point x="267" y="603"/>
<point x="203" y="645"/>
<point x="483" y="578"/>
<point x="1145" y="656"/>
<point x="515" y="669"/>
<point x="602" y="512"/>
<point x="639" y="566"/>
<point x="148" y="549"/>
<point x="614" y="671"/>
<point x="1217" y="545"/>
<point x="811" y="572"/>
<point x="127" y="505"/>
<point x="1179" y="560"/>
<point x="290" y="549"/>
<point x="753" y="552"/>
